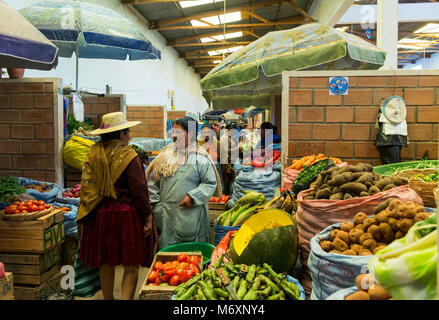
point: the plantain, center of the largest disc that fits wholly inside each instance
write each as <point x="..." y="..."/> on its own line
<point x="269" y="203"/>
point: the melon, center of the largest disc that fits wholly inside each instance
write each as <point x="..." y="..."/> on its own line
<point x="269" y="236"/>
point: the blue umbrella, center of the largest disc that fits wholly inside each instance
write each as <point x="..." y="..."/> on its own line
<point x="89" y="30"/>
<point x="21" y="44"/>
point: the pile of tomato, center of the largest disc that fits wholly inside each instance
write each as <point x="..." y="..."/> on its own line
<point x="172" y="273"/>
<point x="26" y="207"/>
<point x="222" y="199"/>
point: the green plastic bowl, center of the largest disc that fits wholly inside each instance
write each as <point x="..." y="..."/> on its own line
<point x="205" y="248"/>
<point x="382" y="170"/>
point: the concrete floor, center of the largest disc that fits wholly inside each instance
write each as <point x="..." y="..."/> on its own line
<point x="118" y="285"/>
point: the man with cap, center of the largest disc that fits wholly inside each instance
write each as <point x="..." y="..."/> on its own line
<point x="114" y="215"/>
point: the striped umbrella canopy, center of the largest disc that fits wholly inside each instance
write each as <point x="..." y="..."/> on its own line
<point x="21" y="44"/>
<point x="89" y="30"/>
<point x="249" y="75"/>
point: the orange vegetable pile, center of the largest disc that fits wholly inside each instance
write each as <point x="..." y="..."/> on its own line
<point x="172" y="273"/>
<point x="222" y="199"/>
<point x="26" y="207"/>
<point x="309" y="160"/>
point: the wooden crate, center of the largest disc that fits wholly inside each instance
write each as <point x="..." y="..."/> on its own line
<point x="37" y="236"/>
<point x="53" y="285"/>
<point x="215" y="210"/>
<point x="217" y="206"/>
<point x="29" y="278"/>
<point x="162" y="292"/>
<point x="28" y="263"/>
<point x="69" y="248"/>
<point x="7" y="287"/>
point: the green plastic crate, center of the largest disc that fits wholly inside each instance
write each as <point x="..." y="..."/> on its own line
<point x="385" y="168"/>
<point x="205" y="248"/>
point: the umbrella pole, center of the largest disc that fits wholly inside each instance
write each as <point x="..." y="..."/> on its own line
<point x="77" y="65"/>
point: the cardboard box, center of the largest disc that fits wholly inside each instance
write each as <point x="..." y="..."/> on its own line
<point x="7" y="287"/>
<point x="163" y="292"/>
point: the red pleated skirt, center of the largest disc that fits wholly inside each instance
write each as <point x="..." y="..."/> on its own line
<point x="114" y="236"/>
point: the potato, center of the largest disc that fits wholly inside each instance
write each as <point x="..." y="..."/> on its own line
<point x="340" y="179"/>
<point x="383" y="216"/>
<point x="399" y="234"/>
<point x="378" y="248"/>
<point x="420" y="209"/>
<point x="369" y="221"/>
<point x="336" y="251"/>
<point x="368" y="185"/>
<point x="377" y="292"/>
<point x="400" y="181"/>
<point x="343" y="235"/>
<point x="359" y="218"/>
<point x="383" y="183"/>
<point x="340" y="245"/>
<point x="359" y="295"/>
<point x="326" y="245"/>
<point x="405" y="224"/>
<point x="361" y="226"/>
<point x="355" y="234"/>
<point x="366" y="166"/>
<point x="324" y="186"/>
<point x="319" y="181"/>
<point x="350" y="252"/>
<point x="363" y="281"/>
<point x="380" y="244"/>
<point x="406" y="211"/>
<point x="353" y="187"/>
<point x="365" y="177"/>
<point x="393" y="224"/>
<point x="333" y="233"/>
<point x="369" y="244"/>
<point x="364" y="237"/>
<point x="373" y="189"/>
<point x="421" y="216"/>
<point x="323" y="193"/>
<point x="394" y="214"/>
<point x="347" y="196"/>
<point x="364" y="194"/>
<point x="365" y="252"/>
<point x="394" y="204"/>
<point x="388" y="187"/>
<point x="382" y="206"/>
<point x="356" y="247"/>
<point x="336" y="196"/>
<point x="347" y="226"/>
<point x="386" y="232"/>
<point x="374" y="230"/>
<point x="337" y="190"/>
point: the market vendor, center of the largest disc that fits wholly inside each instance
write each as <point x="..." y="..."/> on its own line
<point x="114" y="216"/>
<point x="269" y="133"/>
<point x="210" y="143"/>
<point x="182" y="180"/>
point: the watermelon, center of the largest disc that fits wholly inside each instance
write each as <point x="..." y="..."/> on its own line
<point x="269" y="236"/>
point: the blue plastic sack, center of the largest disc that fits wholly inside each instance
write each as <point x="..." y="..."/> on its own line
<point x="48" y="196"/>
<point x="59" y="198"/>
<point x="221" y="231"/>
<point x="341" y="294"/>
<point x="3" y="205"/>
<point x="331" y="272"/>
<point x="70" y="226"/>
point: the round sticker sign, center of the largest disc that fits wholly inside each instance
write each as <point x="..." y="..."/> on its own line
<point x="338" y="85"/>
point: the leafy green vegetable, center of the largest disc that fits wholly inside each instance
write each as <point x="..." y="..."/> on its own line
<point x="309" y="174"/>
<point x="73" y="124"/>
<point x="9" y="187"/>
<point x="423" y="164"/>
<point x="143" y="155"/>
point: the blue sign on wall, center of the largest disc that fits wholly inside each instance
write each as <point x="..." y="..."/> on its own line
<point x="338" y="86"/>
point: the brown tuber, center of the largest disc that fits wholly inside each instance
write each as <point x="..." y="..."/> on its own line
<point x="333" y="234"/>
<point x="359" y="218"/>
<point x="378" y="249"/>
<point x="350" y="252"/>
<point x="369" y="221"/>
<point x="421" y="216"/>
<point x="326" y="245"/>
<point x="374" y="230"/>
<point x="365" y="252"/>
<point x="343" y="235"/>
<point x="356" y="247"/>
<point x="365" y="236"/>
<point x="393" y="223"/>
<point x="361" y="226"/>
<point x="346" y="226"/>
<point x="405" y="224"/>
<point x="355" y="234"/>
<point x="336" y="251"/>
<point x="377" y="292"/>
<point x="386" y="232"/>
<point x="369" y="244"/>
<point x="399" y="234"/>
<point x="340" y="245"/>
<point x="359" y="295"/>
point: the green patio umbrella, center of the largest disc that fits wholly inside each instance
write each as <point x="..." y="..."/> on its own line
<point x="248" y="76"/>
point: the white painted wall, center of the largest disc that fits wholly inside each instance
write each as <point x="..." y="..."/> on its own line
<point x="145" y="82"/>
<point x="424" y="64"/>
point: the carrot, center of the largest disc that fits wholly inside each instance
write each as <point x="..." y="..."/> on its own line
<point x="299" y="165"/>
<point x="310" y="161"/>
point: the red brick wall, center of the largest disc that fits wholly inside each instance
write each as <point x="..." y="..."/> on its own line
<point x="95" y="107"/>
<point x="27" y="129"/>
<point x="344" y="126"/>
<point x="174" y="115"/>
<point x="152" y="119"/>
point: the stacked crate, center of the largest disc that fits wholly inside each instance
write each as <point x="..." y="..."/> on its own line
<point x="7" y="287"/>
<point x="31" y="250"/>
<point x="215" y="210"/>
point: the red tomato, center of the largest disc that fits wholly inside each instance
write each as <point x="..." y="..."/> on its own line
<point x="184" y="265"/>
<point x="175" y="263"/>
<point x="32" y="208"/>
<point x="9" y="210"/>
<point x="163" y="277"/>
<point x="153" y="276"/>
<point x="22" y="208"/>
<point x="21" y="203"/>
<point x="182" y="257"/>
<point x="24" y="211"/>
<point x="41" y="208"/>
<point x="180" y="271"/>
<point x="194" y="269"/>
<point x="47" y="206"/>
<point x="16" y="203"/>
<point x="41" y="203"/>
<point x="174" y="281"/>
<point x="158" y="265"/>
<point x="16" y="211"/>
<point x="194" y="260"/>
<point x="171" y="272"/>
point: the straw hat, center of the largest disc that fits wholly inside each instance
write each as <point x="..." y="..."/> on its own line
<point x="113" y="122"/>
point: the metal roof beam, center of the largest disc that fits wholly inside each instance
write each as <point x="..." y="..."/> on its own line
<point x="299" y="9"/>
<point x="208" y="35"/>
<point x="216" y="43"/>
<point x="157" y="24"/>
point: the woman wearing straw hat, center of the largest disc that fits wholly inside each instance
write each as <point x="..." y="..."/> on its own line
<point x="114" y="215"/>
<point x="182" y="179"/>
